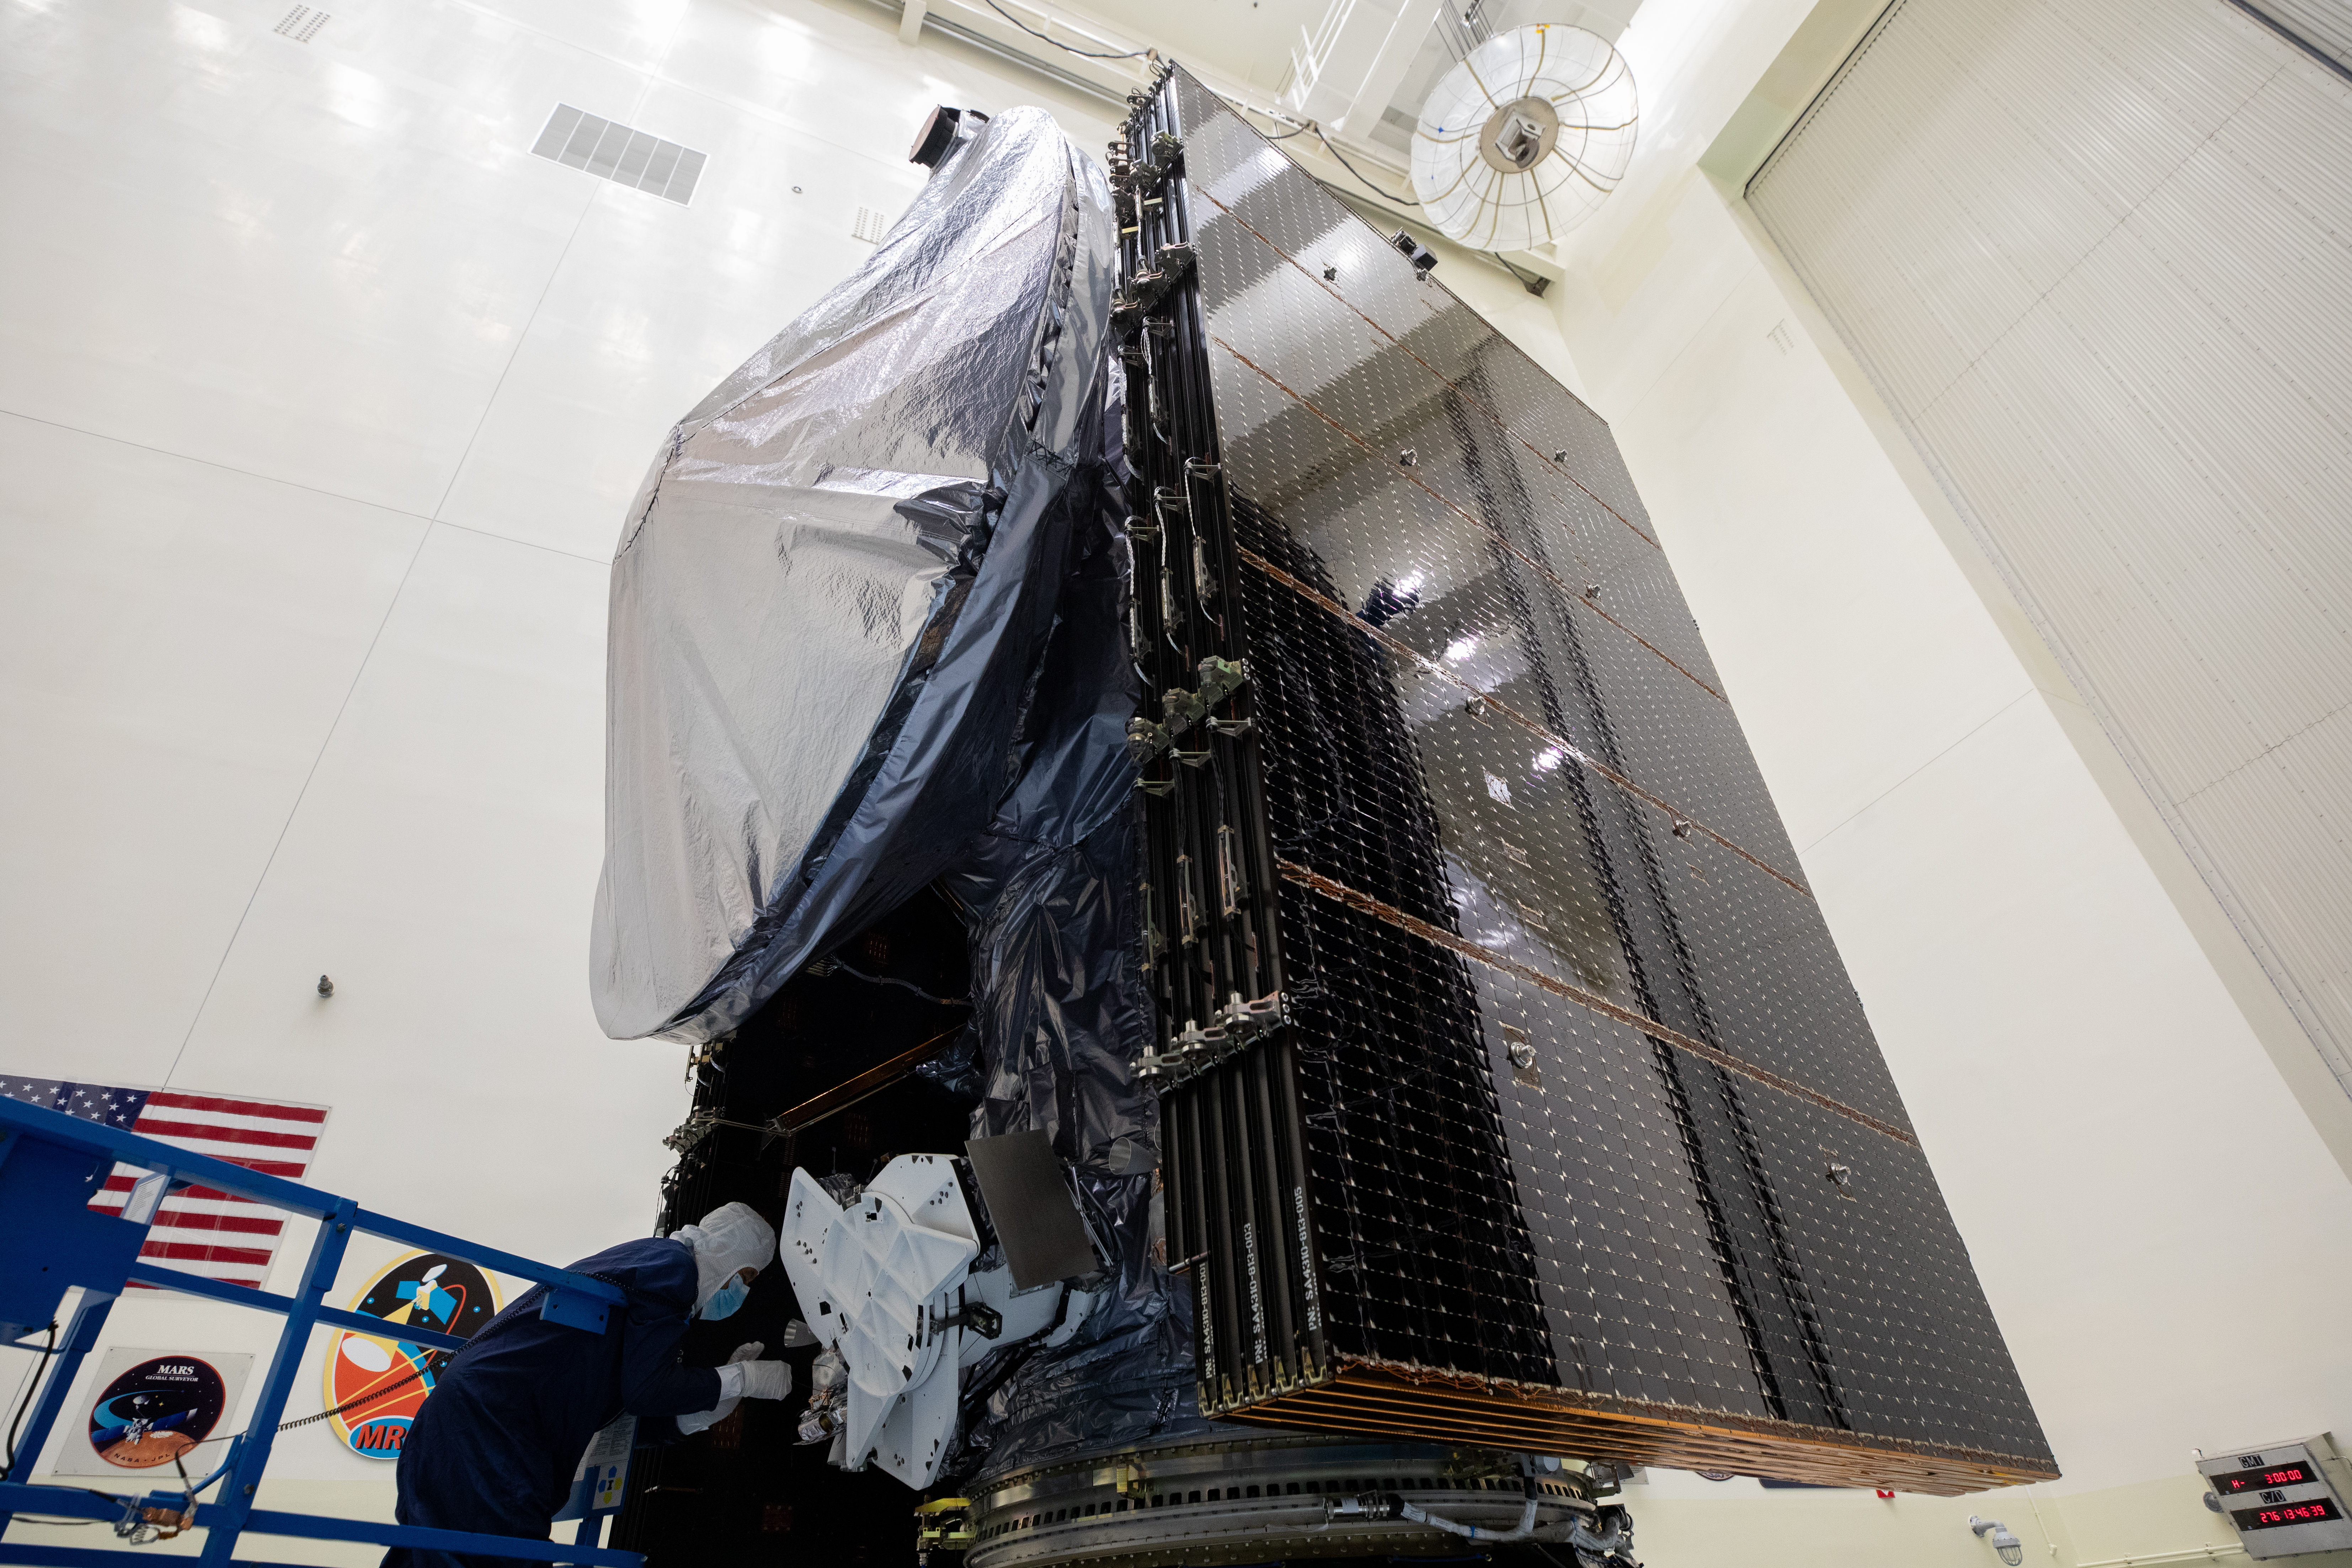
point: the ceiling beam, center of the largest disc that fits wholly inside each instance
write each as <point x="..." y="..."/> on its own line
<point x="1387" y="72"/>
<point x="1360" y="44"/>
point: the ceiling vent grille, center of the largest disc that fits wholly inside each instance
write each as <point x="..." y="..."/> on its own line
<point x="616" y="152"/>
<point x="301" y="23"/>
<point x="870" y="225"/>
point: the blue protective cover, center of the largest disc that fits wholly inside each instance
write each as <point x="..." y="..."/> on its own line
<point x="1062" y="1016"/>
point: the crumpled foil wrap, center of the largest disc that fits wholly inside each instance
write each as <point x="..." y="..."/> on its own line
<point x="833" y="590"/>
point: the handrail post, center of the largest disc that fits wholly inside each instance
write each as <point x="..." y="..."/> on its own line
<point x="261" y="1431"/>
<point x="47" y="1210"/>
<point x="81" y="1338"/>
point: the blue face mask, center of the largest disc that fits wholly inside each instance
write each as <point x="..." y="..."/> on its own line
<point x="727" y="1298"/>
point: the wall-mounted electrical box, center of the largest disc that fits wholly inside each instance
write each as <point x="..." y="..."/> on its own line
<point x="2286" y="1499"/>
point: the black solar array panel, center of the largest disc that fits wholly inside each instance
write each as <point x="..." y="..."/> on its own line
<point x="1505" y="1051"/>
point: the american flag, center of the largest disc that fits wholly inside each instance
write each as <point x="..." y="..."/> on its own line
<point x="200" y="1230"/>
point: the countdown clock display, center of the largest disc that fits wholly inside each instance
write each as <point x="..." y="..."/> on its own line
<point x="2284" y="1501"/>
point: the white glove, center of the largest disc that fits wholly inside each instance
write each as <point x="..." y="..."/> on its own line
<point x="731" y="1391"/>
<point x="766" y="1380"/>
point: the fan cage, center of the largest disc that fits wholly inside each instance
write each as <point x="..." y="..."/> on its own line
<point x="1583" y="81"/>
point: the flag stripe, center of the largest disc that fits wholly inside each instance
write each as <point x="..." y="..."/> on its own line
<point x="206" y="1253"/>
<point x="236" y="1154"/>
<point x="213" y="1132"/>
<point x="247" y="1280"/>
<point x="266" y="1167"/>
<point x="123" y="1184"/>
<point x="194" y="1227"/>
<point x="128" y="1175"/>
<point x="249" y="1224"/>
<point x="208" y="1118"/>
<point x="232" y="1208"/>
<point x="176" y="1101"/>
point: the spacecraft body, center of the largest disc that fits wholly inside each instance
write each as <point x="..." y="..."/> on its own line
<point x="867" y="638"/>
<point x="1372" y="896"/>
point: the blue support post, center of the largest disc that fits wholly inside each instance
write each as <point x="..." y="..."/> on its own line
<point x="537" y="1551"/>
<point x="49" y="1165"/>
<point x="75" y="1503"/>
<point x="263" y="1301"/>
<point x="80" y="1338"/>
<point x="261" y="1433"/>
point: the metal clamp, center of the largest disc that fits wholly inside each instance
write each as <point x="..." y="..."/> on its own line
<point x="1187" y="1054"/>
<point x="1205" y="582"/>
<point x="1221" y="677"/>
<point x="1146" y="740"/>
<point x="1195" y="1049"/>
<point x="1245" y="1018"/>
<point x="1143" y="293"/>
<point x="980" y="1320"/>
<point x="1181" y="709"/>
<point x="1154" y="944"/>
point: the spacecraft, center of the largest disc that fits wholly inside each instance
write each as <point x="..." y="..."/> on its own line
<point x="1413" y="1085"/>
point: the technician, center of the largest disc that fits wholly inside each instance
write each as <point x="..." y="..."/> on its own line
<point x="493" y="1449"/>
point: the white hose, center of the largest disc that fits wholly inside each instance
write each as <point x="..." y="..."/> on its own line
<point x="1521" y="1532"/>
<point x="1376" y="1505"/>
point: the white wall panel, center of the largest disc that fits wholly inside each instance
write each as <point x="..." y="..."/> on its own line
<point x="245" y="288"/>
<point x="436" y="866"/>
<point x="2097" y="255"/>
<point x="175" y="640"/>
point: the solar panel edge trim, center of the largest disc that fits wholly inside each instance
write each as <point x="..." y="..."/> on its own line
<point x="1429" y="1404"/>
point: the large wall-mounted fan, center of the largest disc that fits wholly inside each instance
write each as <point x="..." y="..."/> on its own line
<point x="1519" y="143"/>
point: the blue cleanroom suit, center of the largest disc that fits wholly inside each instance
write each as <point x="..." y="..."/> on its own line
<point x="493" y="1448"/>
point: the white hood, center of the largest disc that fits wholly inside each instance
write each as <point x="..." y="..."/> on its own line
<point x="731" y="1238"/>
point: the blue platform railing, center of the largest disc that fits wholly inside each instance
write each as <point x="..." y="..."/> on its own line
<point x="51" y="1240"/>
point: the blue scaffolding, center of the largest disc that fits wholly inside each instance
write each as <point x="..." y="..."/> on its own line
<point x="51" y="1240"/>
